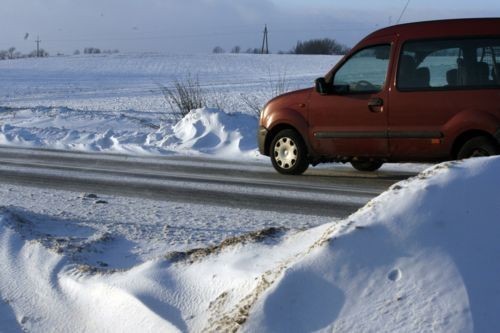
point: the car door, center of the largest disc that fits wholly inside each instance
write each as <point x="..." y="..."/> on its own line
<point x="351" y="119"/>
<point x="441" y="86"/>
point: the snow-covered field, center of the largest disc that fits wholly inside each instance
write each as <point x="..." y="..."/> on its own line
<point x="422" y="257"/>
<point x="114" y="103"/>
<point x="124" y="82"/>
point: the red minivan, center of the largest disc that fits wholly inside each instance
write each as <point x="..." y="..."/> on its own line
<point x="417" y="92"/>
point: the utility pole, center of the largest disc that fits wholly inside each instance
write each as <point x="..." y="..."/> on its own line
<point x="265" y="44"/>
<point x="38" y="41"/>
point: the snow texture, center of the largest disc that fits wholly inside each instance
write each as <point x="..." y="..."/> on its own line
<point x="421" y="257"/>
<point x="203" y="131"/>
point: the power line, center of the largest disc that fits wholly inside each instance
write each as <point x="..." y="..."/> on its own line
<point x="403" y="11"/>
<point x="160" y="35"/>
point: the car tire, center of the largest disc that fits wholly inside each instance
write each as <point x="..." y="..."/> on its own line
<point x="289" y="153"/>
<point x="477" y="147"/>
<point x="367" y="165"/>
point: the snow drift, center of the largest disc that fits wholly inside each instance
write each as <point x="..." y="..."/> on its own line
<point x="423" y="256"/>
<point x="203" y="131"/>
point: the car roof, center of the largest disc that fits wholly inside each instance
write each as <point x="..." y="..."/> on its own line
<point x="442" y="28"/>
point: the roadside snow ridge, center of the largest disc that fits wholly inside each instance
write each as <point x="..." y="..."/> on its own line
<point x="423" y="256"/>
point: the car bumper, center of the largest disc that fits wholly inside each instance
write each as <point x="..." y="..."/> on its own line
<point x="261" y="139"/>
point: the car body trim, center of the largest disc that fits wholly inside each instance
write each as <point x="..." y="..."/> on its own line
<point x="261" y="139"/>
<point x="379" y="135"/>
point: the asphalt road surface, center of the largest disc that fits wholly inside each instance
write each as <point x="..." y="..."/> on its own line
<point x="253" y="185"/>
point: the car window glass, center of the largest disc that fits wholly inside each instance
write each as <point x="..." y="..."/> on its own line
<point x="365" y="71"/>
<point x="442" y="66"/>
<point x="489" y="55"/>
<point x="449" y="64"/>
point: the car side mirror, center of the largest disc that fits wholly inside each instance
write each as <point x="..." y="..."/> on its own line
<point x="322" y="87"/>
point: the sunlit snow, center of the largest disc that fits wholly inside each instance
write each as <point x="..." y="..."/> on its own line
<point x="421" y="257"/>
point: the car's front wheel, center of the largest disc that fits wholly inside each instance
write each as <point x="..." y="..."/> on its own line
<point x="289" y="153"/>
<point x="477" y="147"/>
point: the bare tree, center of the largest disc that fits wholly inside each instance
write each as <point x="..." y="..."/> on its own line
<point x="218" y="50"/>
<point x="40" y="53"/>
<point x="10" y="52"/>
<point x="276" y="86"/>
<point x="184" y="96"/>
<point x="91" y="50"/>
<point x="253" y="50"/>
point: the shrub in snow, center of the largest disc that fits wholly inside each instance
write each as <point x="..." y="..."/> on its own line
<point x="276" y="86"/>
<point x="184" y="96"/>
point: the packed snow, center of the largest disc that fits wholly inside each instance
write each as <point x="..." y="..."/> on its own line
<point x="421" y="257"/>
<point x="427" y="263"/>
<point x="205" y="131"/>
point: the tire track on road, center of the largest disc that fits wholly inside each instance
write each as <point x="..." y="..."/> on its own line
<point x="184" y="179"/>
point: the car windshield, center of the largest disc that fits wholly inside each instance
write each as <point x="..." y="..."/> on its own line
<point x="366" y="70"/>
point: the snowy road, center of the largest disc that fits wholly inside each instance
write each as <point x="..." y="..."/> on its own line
<point x="321" y="192"/>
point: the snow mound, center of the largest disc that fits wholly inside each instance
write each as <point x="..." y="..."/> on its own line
<point x="203" y="131"/>
<point x="421" y="257"/>
<point x="214" y="132"/>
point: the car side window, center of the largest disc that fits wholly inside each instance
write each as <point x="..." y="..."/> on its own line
<point x="365" y="71"/>
<point x="449" y="64"/>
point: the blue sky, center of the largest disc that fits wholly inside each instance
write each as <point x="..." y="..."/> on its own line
<point x="185" y="26"/>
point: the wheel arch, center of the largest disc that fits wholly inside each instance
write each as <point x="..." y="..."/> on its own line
<point x="468" y="135"/>
<point x="468" y="124"/>
<point x="285" y="119"/>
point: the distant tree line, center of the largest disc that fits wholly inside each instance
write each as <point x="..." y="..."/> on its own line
<point x="236" y="50"/>
<point x="11" y="53"/>
<point x="91" y="50"/>
<point x="314" y="46"/>
<point x="320" y="46"/>
<point x="95" y="50"/>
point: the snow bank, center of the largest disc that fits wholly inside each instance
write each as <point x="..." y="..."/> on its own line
<point x="423" y="256"/>
<point x="204" y="131"/>
<point x="214" y="132"/>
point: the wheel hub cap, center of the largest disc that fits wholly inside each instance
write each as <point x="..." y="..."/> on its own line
<point x="285" y="153"/>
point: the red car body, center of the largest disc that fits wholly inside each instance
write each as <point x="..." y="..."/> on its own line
<point x="412" y="92"/>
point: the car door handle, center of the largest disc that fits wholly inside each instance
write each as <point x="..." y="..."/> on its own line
<point x="375" y="103"/>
